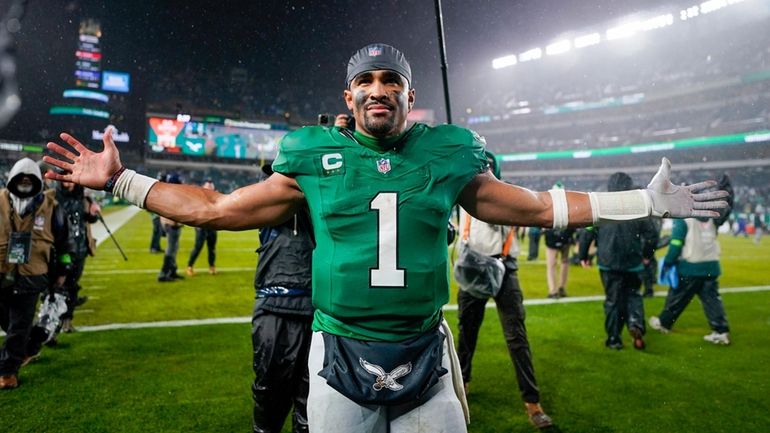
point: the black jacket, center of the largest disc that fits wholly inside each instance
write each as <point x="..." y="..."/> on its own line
<point x="621" y="246"/>
<point x="75" y="206"/>
<point x="283" y="281"/>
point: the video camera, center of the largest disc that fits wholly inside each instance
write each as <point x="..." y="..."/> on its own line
<point x="327" y="119"/>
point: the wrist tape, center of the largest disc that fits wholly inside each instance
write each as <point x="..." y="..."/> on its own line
<point x="560" y="208"/>
<point x="620" y="205"/>
<point x="133" y="187"/>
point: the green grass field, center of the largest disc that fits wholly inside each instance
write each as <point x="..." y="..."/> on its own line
<point x="197" y="378"/>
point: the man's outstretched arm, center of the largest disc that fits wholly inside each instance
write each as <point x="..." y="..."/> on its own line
<point x="258" y="205"/>
<point x="496" y="202"/>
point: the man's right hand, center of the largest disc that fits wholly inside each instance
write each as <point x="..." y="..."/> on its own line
<point x="89" y="169"/>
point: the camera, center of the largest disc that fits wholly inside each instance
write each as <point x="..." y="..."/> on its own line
<point x="327" y="119"/>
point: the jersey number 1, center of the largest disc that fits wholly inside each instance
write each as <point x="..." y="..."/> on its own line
<point x="386" y="274"/>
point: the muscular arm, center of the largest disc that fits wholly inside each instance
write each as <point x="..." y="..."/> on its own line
<point x="490" y="200"/>
<point x="495" y="202"/>
<point x="258" y="205"/>
<point x="267" y="203"/>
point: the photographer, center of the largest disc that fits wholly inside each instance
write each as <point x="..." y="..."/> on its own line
<point x="341" y="121"/>
<point x="501" y="243"/>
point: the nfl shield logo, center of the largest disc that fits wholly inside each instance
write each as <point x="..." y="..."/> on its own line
<point x="383" y="166"/>
<point x="375" y="51"/>
<point x="39" y="222"/>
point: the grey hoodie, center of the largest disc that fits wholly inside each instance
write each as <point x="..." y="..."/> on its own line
<point x="22" y="199"/>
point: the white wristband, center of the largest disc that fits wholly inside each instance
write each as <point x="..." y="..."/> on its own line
<point x="620" y="205"/>
<point x="560" y="208"/>
<point x="133" y="187"/>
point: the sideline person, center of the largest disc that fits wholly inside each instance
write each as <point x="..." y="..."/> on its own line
<point x="694" y="251"/>
<point x="207" y="236"/>
<point x="34" y="257"/>
<point x="499" y="243"/>
<point x="173" y="229"/>
<point x="622" y="250"/>
<point x="380" y="198"/>
<point x="81" y="212"/>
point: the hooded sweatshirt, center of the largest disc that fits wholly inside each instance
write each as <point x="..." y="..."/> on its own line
<point x="34" y="213"/>
<point x="621" y="246"/>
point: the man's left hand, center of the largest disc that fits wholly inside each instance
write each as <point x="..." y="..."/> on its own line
<point x="669" y="200"/>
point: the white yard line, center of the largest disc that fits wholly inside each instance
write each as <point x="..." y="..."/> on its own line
<point x="453" y="307"/>
<point x="94" y="273"/>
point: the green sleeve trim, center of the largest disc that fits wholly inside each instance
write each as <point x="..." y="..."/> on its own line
<point x="677" y="242"/>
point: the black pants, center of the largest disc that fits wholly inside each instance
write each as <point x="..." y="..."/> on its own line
<point x="157" y="232"/>
<point x="281" y="347"/>
<point x="534" y="243"/>
<point x="17" y="312"/>
<point x="210" y="238"/>
<point x="622" y="303"/>
<point x="73" y="286"/>
<point x="649" y="275"/>
<point x="707" y="289"/>
<point x="510" y="309"/>
<point x="172" y="247"/>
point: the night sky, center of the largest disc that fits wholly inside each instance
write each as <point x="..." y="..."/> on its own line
<point x="288" y="43"/>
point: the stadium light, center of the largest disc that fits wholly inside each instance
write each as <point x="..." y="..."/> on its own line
<point x="712" y="5"/>
<point x="691" y="12"/>
<point x="503" y="62"/>
<point x="587" y="40"/>
<point x="558" y="47"/>
<point x="533" y="54"/>
<point x="623" y="31"/>
<point x="657" y="22"/>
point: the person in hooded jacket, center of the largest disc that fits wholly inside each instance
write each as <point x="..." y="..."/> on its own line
<point x="622" y="249"/>
<point x="34" y="256"/>
<point x="281" y="324"/>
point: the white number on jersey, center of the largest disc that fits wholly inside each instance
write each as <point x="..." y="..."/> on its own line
<point x="386" y="274"/>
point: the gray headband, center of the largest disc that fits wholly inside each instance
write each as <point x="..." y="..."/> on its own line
<point x="375" y="57"/>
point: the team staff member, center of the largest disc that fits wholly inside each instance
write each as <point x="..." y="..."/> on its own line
<point x="379" y="199"/>
<point x="32" y="226"/>
<point x="173" y="229"/>
<point x="281" y="324"/>
<point x="694" y="251"/>
<point x="622" y="249"/>
<point x="207" y="236"/>
<point x="499" y="242"/>
<point x="81" y="212"/>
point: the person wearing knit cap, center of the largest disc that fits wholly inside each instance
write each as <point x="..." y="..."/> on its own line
<point x="382" y="357"/>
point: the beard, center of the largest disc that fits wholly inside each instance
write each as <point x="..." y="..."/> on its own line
<point x="381" y="126"/>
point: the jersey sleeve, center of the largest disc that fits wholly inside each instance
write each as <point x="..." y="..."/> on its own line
<point x="295" y="152"/>
<point x="462" y="153"/>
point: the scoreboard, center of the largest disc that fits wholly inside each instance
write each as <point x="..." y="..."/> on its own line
<point x="211" y="136"/>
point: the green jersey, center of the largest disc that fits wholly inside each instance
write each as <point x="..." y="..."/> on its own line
<point x="380" y="219"/>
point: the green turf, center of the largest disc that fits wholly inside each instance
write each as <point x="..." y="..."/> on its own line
<point x="197" y="378"/>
